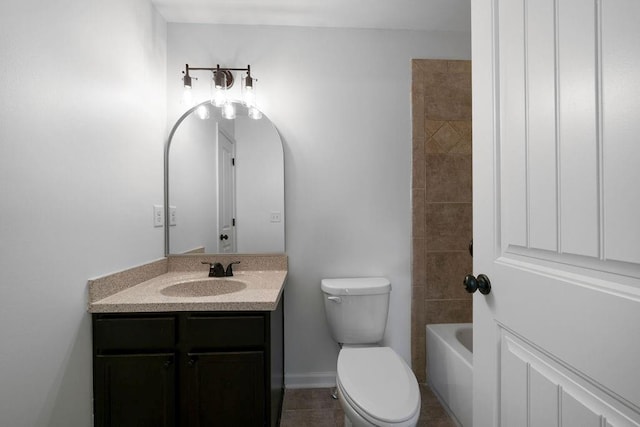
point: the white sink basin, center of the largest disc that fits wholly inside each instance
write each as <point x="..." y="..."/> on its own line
<point x="204" y="288"/>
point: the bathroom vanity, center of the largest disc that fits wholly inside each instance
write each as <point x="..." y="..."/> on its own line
<point x="172" y="346"/>
<point x="167" y="359"/>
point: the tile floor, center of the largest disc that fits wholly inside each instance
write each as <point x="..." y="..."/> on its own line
<point x="316" y="408"/>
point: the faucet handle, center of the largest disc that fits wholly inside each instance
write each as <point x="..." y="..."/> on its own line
<point x="229" y="271"/>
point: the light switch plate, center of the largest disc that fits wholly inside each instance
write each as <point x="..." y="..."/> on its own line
<point x="172" y="215"/>
<point x="158" y="216"/>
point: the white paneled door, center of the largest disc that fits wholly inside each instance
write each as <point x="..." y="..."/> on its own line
<point x="556" y="170"/>
<point x="226" y="193"/>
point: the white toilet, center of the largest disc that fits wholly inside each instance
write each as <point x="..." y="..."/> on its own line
<point x="375" y="385"/>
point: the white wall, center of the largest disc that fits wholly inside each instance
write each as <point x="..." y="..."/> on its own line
<point x="341" y="100"/>
<point x="82" y="124"/>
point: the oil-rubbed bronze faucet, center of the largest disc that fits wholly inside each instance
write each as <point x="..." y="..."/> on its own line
<point x="217" y="270"/>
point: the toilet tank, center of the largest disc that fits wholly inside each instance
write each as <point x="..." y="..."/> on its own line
<point x="356" y="308"/>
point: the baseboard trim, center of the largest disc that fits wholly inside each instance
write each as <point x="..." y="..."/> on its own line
<point x="310" y="380"/>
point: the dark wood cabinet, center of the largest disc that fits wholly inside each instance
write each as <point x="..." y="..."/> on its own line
<point x="226" y="389"/>
<point x="192" y="369"/>
<point x="136" y="390"/>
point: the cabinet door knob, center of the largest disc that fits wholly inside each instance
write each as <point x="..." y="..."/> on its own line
<point x="168" y="363"/>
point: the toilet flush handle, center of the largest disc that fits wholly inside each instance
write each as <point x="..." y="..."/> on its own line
<point x="337" y="300"/>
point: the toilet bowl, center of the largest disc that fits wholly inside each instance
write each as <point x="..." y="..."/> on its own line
<point x="377" y="388"/>
<point x="375" y="385"/>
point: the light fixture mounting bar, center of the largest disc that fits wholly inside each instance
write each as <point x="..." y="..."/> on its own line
<point x="218" y="68"/>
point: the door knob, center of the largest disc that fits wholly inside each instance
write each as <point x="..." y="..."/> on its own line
<point x="224" y="237"/>
<point x="482" y="284"/>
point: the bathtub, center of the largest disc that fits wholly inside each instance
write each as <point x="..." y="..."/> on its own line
<point x="450" y="368"/>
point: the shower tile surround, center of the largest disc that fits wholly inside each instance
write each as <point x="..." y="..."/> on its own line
<point x="441" y="197"/>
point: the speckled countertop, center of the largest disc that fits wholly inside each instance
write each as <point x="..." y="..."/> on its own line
<point x="152" y="287"/>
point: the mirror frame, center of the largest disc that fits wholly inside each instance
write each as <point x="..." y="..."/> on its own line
<point x="167" y="146"/>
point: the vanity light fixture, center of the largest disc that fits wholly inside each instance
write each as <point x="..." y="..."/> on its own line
<point x="248" y="93"/>
<point x="249" y="96"/>
<point x="187" y="93"/>
<point x="223" y="81"/>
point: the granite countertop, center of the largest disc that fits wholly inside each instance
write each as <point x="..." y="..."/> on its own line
<point x="146" y="289"/>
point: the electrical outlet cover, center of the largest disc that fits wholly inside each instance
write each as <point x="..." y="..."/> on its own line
<point x="276" y="217"/>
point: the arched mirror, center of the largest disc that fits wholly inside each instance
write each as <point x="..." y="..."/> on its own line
<point x="223" y="184"/>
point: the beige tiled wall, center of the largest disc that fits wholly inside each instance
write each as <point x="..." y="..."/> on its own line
<point x="441" y="105"/>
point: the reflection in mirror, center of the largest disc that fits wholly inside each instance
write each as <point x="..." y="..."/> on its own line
<point x="224" y="184"/>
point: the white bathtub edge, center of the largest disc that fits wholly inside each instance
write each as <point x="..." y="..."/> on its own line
<point x="450" y="371"/>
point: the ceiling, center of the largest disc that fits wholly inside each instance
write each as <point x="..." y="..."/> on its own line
<point x="429" y="15"/>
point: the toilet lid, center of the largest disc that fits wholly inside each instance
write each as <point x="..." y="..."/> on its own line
<point x="379" y="382"/>
<point x="356" y="286"/>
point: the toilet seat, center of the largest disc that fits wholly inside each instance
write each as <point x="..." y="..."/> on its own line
<point x="379" y="385"/>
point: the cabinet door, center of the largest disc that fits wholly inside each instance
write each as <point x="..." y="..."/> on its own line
<point x="134" y="390"/>
<point x="226" y="389"/>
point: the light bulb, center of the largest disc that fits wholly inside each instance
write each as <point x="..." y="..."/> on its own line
<point x="249" y="91"/>
<point x="229" y="111"/>
<point x="254" y="113"/>
<point x="202" y="112"/>
<point x="187" y="97"/>
<point x="219" y="89"/>
<point x="187" y="93"/>
<point x="219" y="97"/>
<point x="249" y="97"/>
